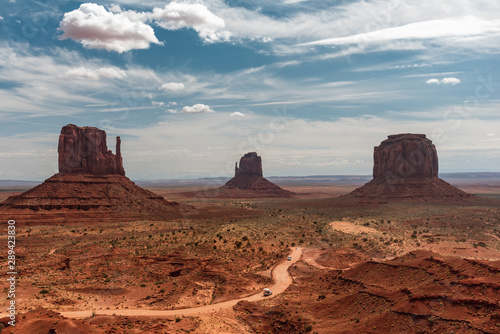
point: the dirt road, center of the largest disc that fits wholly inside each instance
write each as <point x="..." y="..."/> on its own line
<point x="280" y="275"/>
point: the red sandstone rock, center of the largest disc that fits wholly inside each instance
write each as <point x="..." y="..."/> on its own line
<point x="84" y="150"/>
<point x="250" y="164"/>
<point x="249" y="182"/>
<point x="91" y="185"/>
<point x="405" y="155"/>
<point x="406" y="168"/>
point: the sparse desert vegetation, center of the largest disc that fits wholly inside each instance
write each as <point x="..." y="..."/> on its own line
<point x="366" y="267"/>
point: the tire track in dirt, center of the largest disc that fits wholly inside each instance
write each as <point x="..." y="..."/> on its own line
<point x="280" y="275"/>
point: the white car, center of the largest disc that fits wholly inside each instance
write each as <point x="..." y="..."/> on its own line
<point x="289" y="258"/>
<point x="267" y="292"/>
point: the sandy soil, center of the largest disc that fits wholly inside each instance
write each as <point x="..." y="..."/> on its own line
<point x="208" y="269"/>
<point x="351" y="228"/>
<point x="280" y="275"/>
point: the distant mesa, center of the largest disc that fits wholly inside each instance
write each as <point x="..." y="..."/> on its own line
<point x="248" y="180"/>
<point x="90" y="185"/>
<point x="405" y="166"/>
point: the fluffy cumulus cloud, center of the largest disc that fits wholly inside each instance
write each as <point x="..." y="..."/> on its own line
<point x="94" y="74"/>
<point x="198" y="108"/>
<point x="96" y="28"/>
<point x="172" y="86"/>
<point x="176" y="15"/>
<point x="117" y="30"/>
<point x="445" y="81"/>
<point x="451" y="81"/>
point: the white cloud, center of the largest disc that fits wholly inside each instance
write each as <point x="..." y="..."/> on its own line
<point x="95" y="74"/>
<point x="158" y="104"/>
<point x="198" y="108"/>
<point x="115" y="8"/>
<point x="172" y="86"/>
<point x="451" y="81"/>
<point x="176" y="15"/>
<point x="446" y="81"/>
<point x="1" y="18"/>
<point x="290" y="2"/>
<point x="96" y="28"/>
<point x="297" y="140"/>
<point x="237" y="114"/>
<point x="432" y="29"/>
<point x="433" y="81"/>
<point x="388" y="24"/>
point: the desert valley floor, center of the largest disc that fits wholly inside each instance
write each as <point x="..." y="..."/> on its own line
<point x="364" y="266"/>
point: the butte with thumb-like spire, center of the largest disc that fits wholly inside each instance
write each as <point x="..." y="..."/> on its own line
<point x="248" y="181"/>
<point x="91" y="186"/>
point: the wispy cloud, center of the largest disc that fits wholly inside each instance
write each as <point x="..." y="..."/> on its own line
<point x="433" y="29"/>
<point x="172" y="86"/>
<point x="94" y="74"/>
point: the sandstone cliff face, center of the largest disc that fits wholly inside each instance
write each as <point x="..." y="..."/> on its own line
<point x="91" y="186"/>
<point x="250" y="164"/>
<point x="84" y="150"/>
<point x="405" y="155"/>
<point x="405" y="167"/>
<point x="248" y="181"/>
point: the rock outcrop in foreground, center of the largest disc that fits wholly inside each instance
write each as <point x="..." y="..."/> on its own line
<point x="90" y="186"/>
<point x="248" y="181"/>
<point x="406" y="167"/>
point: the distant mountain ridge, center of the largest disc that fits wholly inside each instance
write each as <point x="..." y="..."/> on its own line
<point x="341" y="179"/>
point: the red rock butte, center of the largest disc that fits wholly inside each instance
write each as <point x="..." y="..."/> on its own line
<point x="91" y="186"/>
<point x="248" y="181"/>
<point x="405" y="166"/>
<point x="84" y="150"/>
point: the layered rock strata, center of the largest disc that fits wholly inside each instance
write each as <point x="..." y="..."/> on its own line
<point x="84" y="150"/>
<point x="91" y="185"/>
<point x="248" y="180"/>
<point x="405" y="166"/>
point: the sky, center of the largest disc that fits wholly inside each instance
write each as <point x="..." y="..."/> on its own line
<point x="192" y="85"/>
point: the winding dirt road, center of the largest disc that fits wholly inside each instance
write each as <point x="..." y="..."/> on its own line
<point x="280" y="275"/>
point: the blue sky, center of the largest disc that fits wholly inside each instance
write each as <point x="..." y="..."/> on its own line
<point x="191" y="86"/>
